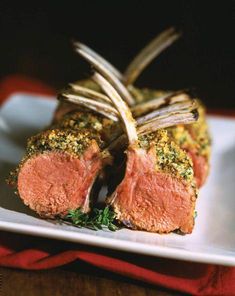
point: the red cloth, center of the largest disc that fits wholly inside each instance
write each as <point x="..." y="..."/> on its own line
<point x="25" y="252"/>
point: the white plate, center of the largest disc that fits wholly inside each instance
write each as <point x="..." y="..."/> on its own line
<point x="213" y="238"/>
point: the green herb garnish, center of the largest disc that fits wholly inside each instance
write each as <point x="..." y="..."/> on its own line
<point x="95" y="220"/>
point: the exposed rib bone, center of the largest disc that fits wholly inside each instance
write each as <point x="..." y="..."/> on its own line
<point x="167" y="121"/>
<point x="153" y="104"/>
<point x="148" y="53"/>
<point x="124" y="111"/>
<point x="101" y="68"/>
<point x="87" y="92"/>
<point x="99" y="107"/>
<point x="141" y="108"/>
<point x="105" y="108"/>
<point x="154" y="125"/>
<point x="182" y="107"/>
<point x="99" y="58"/>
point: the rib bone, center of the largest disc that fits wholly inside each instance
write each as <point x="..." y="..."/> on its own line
<point x="148" y="53"/>
<point x="167" y="121"/>
<point x="124" y="111"/>
<point x="109" y="111"/>
<point x="102" y="108"/>
<point x="182" y="107"/>
<point x="99" y="58"/>
<point x="139" y="109"/>
<point x="153" y="104"/>
<point x="90" y="93"/>
<point x="104" y="70"/>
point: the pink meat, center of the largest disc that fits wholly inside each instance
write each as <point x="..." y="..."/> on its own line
<point x="200" y="167"/>
<point x="51" y="183"/>
<point x="152" y="200"/>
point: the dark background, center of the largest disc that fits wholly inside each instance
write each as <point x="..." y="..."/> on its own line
<point x="35" y="41"/>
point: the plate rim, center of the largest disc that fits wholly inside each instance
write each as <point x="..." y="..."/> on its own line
<point x="117" y="244"/>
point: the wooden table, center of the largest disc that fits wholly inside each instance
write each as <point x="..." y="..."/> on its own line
<point x="68" y="281"/>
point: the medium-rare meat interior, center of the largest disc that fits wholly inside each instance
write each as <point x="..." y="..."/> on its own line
<point x="61" y="164"/>
<point x="158" y="192"/>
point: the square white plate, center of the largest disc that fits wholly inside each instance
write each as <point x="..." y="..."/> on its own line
<point x="213" y="238"/>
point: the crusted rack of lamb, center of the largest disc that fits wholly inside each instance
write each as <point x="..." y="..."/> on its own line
<point x="160" y="131"/>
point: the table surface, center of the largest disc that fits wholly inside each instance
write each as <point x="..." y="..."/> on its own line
<point x="67" y="281"/>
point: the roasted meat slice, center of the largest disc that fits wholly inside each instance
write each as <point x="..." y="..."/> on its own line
<point x="62" y="163"/>
<point x="52" y="182"/>
<point x="151" y="198"/>
<point x="158" y="192"/>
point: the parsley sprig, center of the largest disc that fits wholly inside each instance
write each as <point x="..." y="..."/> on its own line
<point x="95" y="220"/>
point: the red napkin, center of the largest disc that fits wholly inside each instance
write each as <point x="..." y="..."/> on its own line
<point x="25" y="252"/>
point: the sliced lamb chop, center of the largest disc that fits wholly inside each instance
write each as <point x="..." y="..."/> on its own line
<point x="157" y="193"/>
<point x="62" y="163"/>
